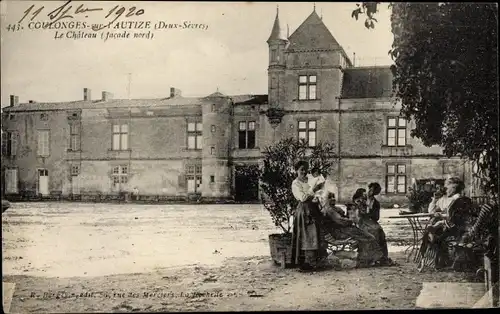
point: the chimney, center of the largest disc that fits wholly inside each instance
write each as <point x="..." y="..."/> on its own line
<point x="31" y="101"/>
<point x="86" y="94"/>
<point x="12" y="100"/>
<point x="174" y="92"/>
<point x="106" y="96"/>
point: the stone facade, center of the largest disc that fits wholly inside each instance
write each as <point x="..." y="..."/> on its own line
<point x="180" y="146"/>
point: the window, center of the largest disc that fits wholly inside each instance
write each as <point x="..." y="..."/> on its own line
<point x="396" y="131"/>
<point x="274" y="55"/>
<point x="193" y="178"/>
<point x="212" y="179"/>
<point x="212" y="150"/>
<point x="119" y="177"/>
<point x="11" y="181"/>
<point x="212" y="128"/>
<point x="246" y="135"/>
<point x="213" y="108"/>
<point x="9" y="143"/>
<point x="75" y="170"/>
<point x="194" y="135"/>
<point x="43" y="143"/>
<point x="307" y="132"/>
<point x="307" y="87"/>
<point x="44" y="117"/>
<point x="74" y="134"/>
<point x="396" y="178"/>
<point x="120" y="136"/>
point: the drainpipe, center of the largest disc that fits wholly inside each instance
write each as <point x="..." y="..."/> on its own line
<point x="339" y="159"/>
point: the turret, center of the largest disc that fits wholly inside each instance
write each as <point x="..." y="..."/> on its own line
<point x="277" y="43"/>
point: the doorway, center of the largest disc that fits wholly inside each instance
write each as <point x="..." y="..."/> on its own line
<point x="246" y="183"/>
<point x="43" y="181"/>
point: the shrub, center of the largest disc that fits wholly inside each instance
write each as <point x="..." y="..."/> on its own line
<point x="277" y="175"/>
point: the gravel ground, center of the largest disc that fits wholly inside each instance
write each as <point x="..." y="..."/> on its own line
<point x="68" y="257"/>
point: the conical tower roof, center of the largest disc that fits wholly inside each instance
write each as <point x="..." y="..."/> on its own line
<point x="313" y="34"/>
<point x="276" y="32"/>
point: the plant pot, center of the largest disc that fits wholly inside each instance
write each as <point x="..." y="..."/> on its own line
<point x="281" y="248"/>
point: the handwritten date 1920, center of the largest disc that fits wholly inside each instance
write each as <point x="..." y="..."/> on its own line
<point x="65" y="12"/>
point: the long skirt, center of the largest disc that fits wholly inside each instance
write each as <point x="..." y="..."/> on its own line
<point x="368" y="249"/>
<point x="305" y="234"/>
<point x="372" y="227"/>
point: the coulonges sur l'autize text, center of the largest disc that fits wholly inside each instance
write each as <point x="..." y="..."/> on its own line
<point x="62" y="21"/>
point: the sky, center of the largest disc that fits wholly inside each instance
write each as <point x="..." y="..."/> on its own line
<point x="231" y="55"/>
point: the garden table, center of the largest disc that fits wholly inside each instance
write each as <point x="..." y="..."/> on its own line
<point x="418" y="227"/>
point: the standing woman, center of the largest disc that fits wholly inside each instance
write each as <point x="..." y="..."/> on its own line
<point x="305" y="227"/>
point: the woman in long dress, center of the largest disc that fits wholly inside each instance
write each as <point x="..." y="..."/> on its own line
<point x="451" y="222"/>
<point x="337" y="227"/>
<point x="305" y="234"/>
<point x="366" y="215"/>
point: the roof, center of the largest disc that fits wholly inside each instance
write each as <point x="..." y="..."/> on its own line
<point x="249" y="99"/>
<point x="367" y="82"/>
<point x="276" y="32"/>
<point x="113" y="103"/>
<point x="312" y="34"/>
<point x="126" y="103"/>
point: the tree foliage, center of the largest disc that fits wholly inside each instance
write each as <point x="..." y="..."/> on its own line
<point x="277" y="175"/>
<point x="445" y="77"/>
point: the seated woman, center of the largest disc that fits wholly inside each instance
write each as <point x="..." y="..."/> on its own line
<point x="368" y="220"/>
<point x="336" y="226"/>
<point x="449" y="223"/>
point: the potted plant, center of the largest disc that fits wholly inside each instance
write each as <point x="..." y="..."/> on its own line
<point x="276" y="177"/>
<point x="420" y="194"/>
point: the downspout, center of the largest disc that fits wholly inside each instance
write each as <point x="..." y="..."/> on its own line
<point x="230" y="149"/>
<point x="339" y="168"/>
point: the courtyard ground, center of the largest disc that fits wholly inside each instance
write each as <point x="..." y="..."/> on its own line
<point x="81" y="257"/>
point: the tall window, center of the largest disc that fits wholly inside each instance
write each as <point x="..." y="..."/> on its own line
<point x="307" y="132"/>
<point x="120" y="136"/>
<point x="119" y="177"/>
<point x="9" y="143"/>
<point x="74" y="134"/>
<point x="396" y="131"/>
<point x="11" y="181"/>
<point x="43" y="143"/>
<point x="194" y="131"/>
<point x="193" y="178"/>
<point x="307" y="87"/>
<point x="274" y="55"/>
<point x="396" y="178"/>
<point x="246" y="134"/>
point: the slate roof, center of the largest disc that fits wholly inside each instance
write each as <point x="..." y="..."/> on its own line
<point x="126" y="103"/>
<point x="276" y="32"/>
<point x="112" y="103"/>
<point x="312" y="34"/>
<point x="367" y="82"/>
<point x="249" y="99"/>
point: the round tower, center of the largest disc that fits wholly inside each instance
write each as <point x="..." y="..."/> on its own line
<point x="217" y="135"/>
<point x="277" y="44"/>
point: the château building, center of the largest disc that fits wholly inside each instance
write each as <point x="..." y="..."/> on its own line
<point x="180" y="146"/>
